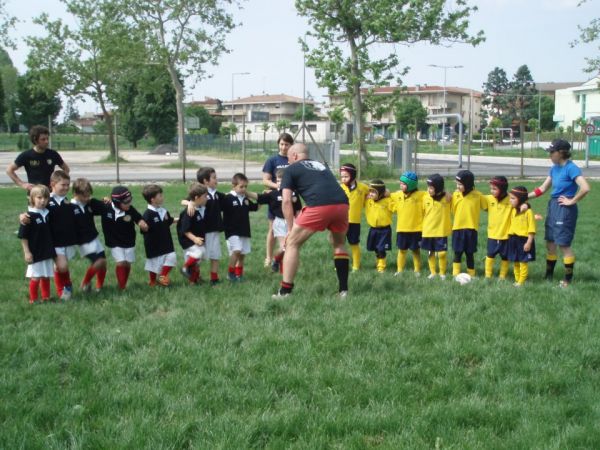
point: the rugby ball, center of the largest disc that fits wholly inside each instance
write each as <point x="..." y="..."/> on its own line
<point x="463" y="278"/>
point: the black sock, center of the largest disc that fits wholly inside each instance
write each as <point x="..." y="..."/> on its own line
<point x="342" y="264"/>
<point x="286" y="288"/>
<point x="569" y="272"/>
<point x="470" y="260"/>
<point x="550" y="265"/>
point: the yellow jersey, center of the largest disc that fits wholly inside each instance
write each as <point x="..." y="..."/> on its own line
<point x="436" y="217"/>
<point x="522" y="224"/>
<point x="466" y="209"/>
<point x="379" y="214"/>
<point x="356" y="199"/>
<point x="409" y="211"/>
<point x="498" y="217"/>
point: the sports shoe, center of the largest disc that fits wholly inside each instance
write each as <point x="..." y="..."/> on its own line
<point x="240" y="278"/>
<point x="275" y="266"/>
<point x="563" y="284"/>
<point x="163" y="280"/>
<point x="231" y="277"/>
<point x="67" y="293"/>
<point x="515" y="284"/>
<point x="279" y="295"/>
<point x="442" y="277"/>
<point x="185" y="271"/>
<point x="85" y="288"/>
<point x="431" y="276"/>
<point x="355" y="269"/>
<point x="214" y="282"/>
<point x="397" y="274"/>
<point x="417" y="274"/>
<point x="97" y="290"/>
<point x="342" y="294"/>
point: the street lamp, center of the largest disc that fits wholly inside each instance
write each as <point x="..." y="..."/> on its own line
<point x="232" y="78"/>
<point x="437" y="66"/>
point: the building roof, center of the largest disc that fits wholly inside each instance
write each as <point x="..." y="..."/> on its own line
<point x="206" y="101"/>
<point x="267" y="98"/>
<point x="552" y="86"/>
<point x="424" y="88"/>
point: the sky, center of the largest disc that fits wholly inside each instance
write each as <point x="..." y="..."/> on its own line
<point x="265" y="44"/>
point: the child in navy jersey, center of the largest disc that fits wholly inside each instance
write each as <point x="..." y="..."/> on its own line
<point x="191" y="232"/>
<point x="236" y="221"/>
<point x="158" y="243"/>
<point x="87" y="234"/>
<point x="118" y="225"/>
<point x="36" y="241"/>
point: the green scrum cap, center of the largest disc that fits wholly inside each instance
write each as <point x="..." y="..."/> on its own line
<point x="411" y="180"/>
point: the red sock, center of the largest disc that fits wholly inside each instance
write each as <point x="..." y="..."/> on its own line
<point x="152" y="278"/>
<point x="190" y="262"/>
<point x="239" y="271"/>
<point x="100" y="276"/>
<point x="195" y="273"/>
<point x="45" y="283"/>
<point x="165" y="270"/>
<point x="33" y="290"/>
<point x="214" y="276"/>
<point x="89" y="274"/>
<point x="231" y="269"/>
<point x="121" y="272"/>
<point x="127" y="272"/>
<point x="58" y="283"/>
<point x="65" y="278"/>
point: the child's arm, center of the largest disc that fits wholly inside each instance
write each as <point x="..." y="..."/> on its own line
<point x="195" y="239"/>
<point x="26" y="251"/>
<point x="529" y="243"/>
<point x="24" y="219"/>
<point x="251" y="195"/>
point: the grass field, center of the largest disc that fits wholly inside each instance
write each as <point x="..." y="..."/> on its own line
<point x="401" y="363"/>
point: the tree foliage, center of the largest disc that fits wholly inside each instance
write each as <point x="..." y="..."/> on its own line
<point x="9" y="76"/>
<point x="207" y="121"/>
<point x="589" y="34"/>
<point x="410" y="111"/>
<point x="7" y="22"/>
<point x="494" y="94"/>
<point x="34" y="103"/>
<point x="2" y="105"/>
<point x="309" y="113"/>
<point x="346" y="30"/>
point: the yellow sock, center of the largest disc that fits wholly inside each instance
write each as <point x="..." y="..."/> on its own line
<point x="524" y="272"/>
<point x="455" y="269"/>
<point x="443" y="261"/>
<point x="355" y="249"/>
<point x="569" y="260"/>
<point x="401" y="260"/>
<point x="517" y="271"/>
<point x="431" y="263"/>
<point x="503" y="269"/>
<point x="550" y="257"/>
<point x="471" y="272"/>
<point x="489" y="267"/>
<point x="417" y="260"/>
<point x="381" y="263"/>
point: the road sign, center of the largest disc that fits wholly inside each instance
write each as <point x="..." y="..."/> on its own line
<point x="590" y="129"/>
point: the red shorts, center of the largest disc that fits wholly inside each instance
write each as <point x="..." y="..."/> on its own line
<point x="318" y="218"/>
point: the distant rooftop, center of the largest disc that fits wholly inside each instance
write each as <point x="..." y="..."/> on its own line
<point x="552" y="86"/>
<point x="267" y="98"/>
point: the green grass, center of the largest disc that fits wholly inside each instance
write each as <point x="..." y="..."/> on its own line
<point x="402" y="363"/>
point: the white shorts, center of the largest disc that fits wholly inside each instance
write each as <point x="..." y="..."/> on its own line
<point x="156" y="264"/>
<point x="121" y="254"/>
<point x="69" y="251"/>
<point x="213" y="245"/>
<point x="196" y="252"/>
<point x="40" y="269"/>
<point x="90" y="247"/>
<point x="238" y="244"/>
<point x="279" y="227"/>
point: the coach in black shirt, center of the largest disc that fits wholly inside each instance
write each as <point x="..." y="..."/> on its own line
<point x="39" y="162"/>
<point x="326" y="208"/>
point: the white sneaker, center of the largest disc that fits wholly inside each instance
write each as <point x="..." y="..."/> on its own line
<point x="397" y="274"/>
<point x="85" y="288"/>
<point x="342" y="294"/>
<point x="431" y="276"/>
<point x="442" y="277"/>
<point x="279" y="295"/>
<point x="66" y="295"/>
<point x="417" y="274"/>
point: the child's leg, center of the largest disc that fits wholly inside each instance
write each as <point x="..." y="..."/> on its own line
<point x="214" y="270"/>
<point x="431" y="262"/>
<point x="417" y="260"/>
<point x="401" y="260"/>
<point x="122" y="270"/>
<point x="45" y="285"/>
<point x="100" y="266"/>
<point x="239" y="266"/>
<point x="356" y="255"/>
<point x="152" y="276"/>
<point x="456" y="263"/>
<point x="517" y="271"/>
<point x="269" y="244"/>
<point x="524" y="272"/>
<point x="470" y="263"/>
<point x="34" y="284"/>
<point x="443" y="262"/>
<point x="233" y="261"/>
<point x="381" y="262"/>
<point x="489" y="267"/>
<point x="503" y="269"/>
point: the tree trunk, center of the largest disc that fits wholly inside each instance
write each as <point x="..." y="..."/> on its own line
<point x="108" y="121"/>
<point x="180" y="117"/>
<point x="357" y="107"/>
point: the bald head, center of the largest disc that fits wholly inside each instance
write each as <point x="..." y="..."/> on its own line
<point x="297" y="152"/>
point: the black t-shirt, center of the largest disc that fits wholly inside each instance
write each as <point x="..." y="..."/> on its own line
<point x="274" y="200"/>
<point x="39" y="166"/>
<point x="314" y="182"/>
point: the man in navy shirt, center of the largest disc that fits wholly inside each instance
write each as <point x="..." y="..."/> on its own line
<point x="279" y="161"/>
<point x="326" y="208"/>
<point x="39" y="162"/>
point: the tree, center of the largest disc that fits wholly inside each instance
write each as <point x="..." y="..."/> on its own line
<point x="494" y="94"/>
<point x="410" y="111"/>
<point x="205" y="119"/>
<point x="282" y="124"/>
<point x="546" y="107"/>
<point x="346" y="30"/>
<point x="495" y="123"/>
<point x="6" y="24"/>
<point x="130" y="124"/>
<point x="9" y="76"/>
<point x="265" y="127"/>
<point x="587" y="35"/>
<point x="336" y="116"/>
<point x="309" y="113"/>
<point x="521" y="93"/>
<point x="34" y="103"/>
<point x="182" y="36"/>
<point x="89" y="58"/>
<point x="2" y="105"/>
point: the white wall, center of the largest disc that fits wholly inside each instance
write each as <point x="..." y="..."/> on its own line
<point x="569" y="103"/>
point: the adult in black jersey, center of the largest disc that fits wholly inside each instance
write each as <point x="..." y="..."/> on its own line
<point x="39" y="162"/>
<point x="326" y="208"/>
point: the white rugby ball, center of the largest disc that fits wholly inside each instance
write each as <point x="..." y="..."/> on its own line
<point x="463" y="278"/>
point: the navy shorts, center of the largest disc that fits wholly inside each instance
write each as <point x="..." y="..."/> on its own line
<point x="408" y="240"/>
<point x="379" y="239"/>
<point x="353" y="233"/>
<point x="270" y="215"/>
<point x="435" y="244"/>
<point x="464" y="240"/>
<point x="93" y="257"/>
<point x="515" y="249"/>
<point x="497" y="247"/>
<point x="560" y="223"/>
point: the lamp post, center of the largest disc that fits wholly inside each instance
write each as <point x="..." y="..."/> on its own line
<point x="437" y="66"/>
<point x="232" y="81"/>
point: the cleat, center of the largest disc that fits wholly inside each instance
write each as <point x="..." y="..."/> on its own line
<point x="279" y="295"/>
<point x="163" y="280"/>
<point x="431" y="276"/>
<point x="214" y="282"/>
<point x="355" y="269"/>
<point x="240" y="279"/>
<point x="231" y="277"/>
<point x="563" y="284"/>
<point x="66" y="294"/>
<point x="85" y="288"/>
<point x="185" y="271"/>
<point x="342" y="294"/>
<point x="397" y="274"/>
<point x="442" y="277"/>
<point x="417" y="274"/>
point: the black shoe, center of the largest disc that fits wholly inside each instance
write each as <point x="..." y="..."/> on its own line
<point x="185" y="271"/>
<point x="214" y="282"/>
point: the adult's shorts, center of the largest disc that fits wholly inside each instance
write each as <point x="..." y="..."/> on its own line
<point x="560" y="223"/>
<point x="318" y="218"/>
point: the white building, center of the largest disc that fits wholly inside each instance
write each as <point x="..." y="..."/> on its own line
<point x="579" y="101"/>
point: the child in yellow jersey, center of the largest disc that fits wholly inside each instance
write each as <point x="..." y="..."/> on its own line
<point x="499" y="211"/>
<point x="437" y="224"/>
<point x="521" y="235"/>
<point x="379" y="218"/>
<point x="357" y="196"/>
<point x="467" y="203"/>
<point x="408" y="206"/>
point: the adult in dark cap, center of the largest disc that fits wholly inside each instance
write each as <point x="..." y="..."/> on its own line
<point x="568" y="188"/>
